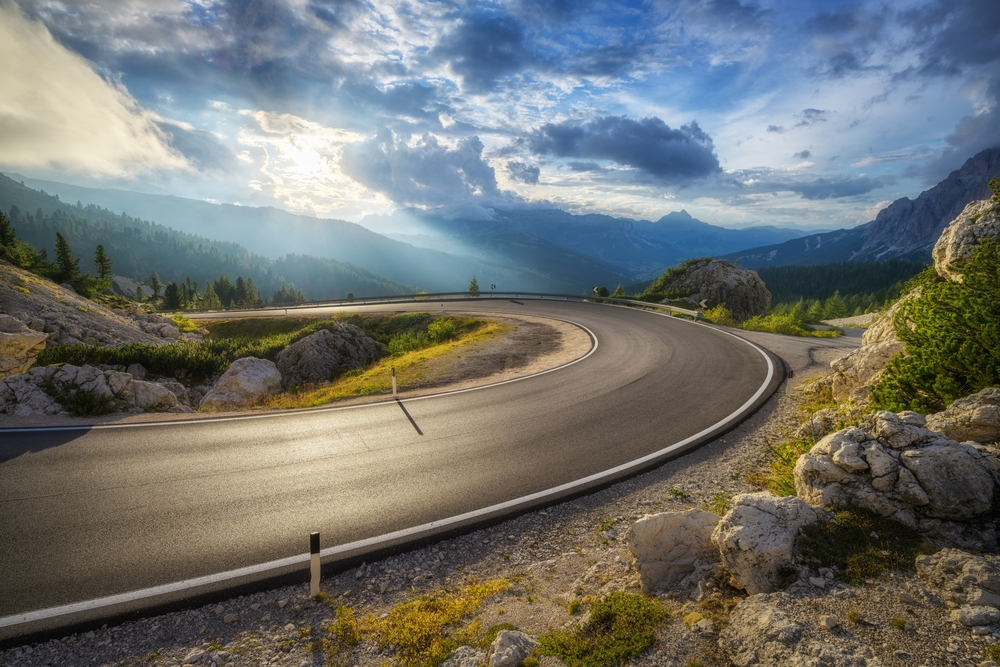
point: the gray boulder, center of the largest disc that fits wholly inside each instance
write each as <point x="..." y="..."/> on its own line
<point x="820" y="423"/>
<point x="667" y="547"/>
<point x="975" y="417"/>
<point x="465" y="656"/>
<point x="761" y="633"/>
<point x="717" y="282"/>
<point x="245" y="382"/>
<point x="321" y="356"/>
<point x="509" y="649"/>
<point x="756" y="538"/>
<point x="979" y="220"/>
<point x="19" y="346"/>
<point x="961" y="578"/>
<point x="894" y="467"/>
<point x="152" y="396"/>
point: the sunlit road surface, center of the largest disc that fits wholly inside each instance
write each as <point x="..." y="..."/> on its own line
<point x="86" y="514"/>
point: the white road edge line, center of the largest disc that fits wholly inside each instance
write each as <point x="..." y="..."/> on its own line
<point x="406" y="532"/>
<point x="309" y="411"/>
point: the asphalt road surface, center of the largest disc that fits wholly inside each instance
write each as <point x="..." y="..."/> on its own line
<point x="92" y="513"/>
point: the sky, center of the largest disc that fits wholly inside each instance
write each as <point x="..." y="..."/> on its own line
<point x="741" y="112"/>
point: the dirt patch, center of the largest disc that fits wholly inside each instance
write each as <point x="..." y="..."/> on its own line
<point x="532" y="345"/>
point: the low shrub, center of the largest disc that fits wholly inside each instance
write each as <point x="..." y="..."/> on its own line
<point x="779" y="478"/>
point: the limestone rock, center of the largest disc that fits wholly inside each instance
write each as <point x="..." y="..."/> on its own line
<point x="962" y="578"/>
<point x="971" y="617"/>
<point x="756" y="538"/>
<point x="895" y="467"/>
<point x="822" y="422"/>
<point x="975" y="417"/>
<point x="27" y="398"/>
<point x="717" y="281"/>
<point x="761" y="634"/>
<point x="246" y="381"/>
<point x="667" y="547"/>
<point x="19" y="346"/>
<point x="979" y="220"/>
<point x="465" y="656"/>
<point x="322" y="355"/>
<point x="509" y="649"/>
<point x="152" y="396"/>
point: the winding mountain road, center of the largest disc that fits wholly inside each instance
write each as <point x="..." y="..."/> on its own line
<point x="90" y="516"/>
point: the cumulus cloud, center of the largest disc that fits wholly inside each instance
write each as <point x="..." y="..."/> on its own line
<point x="648" y="145"/>
<point x="519" y="171"/>
<point x="428" y="173"/>
<point x="55" y="112"/>
<point x="481" y="50"/>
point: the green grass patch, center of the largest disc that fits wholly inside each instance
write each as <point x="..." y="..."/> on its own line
<point x="787" y="325"/>
<point x="779" y="478"/>
<point x="185" y="325"/>
<point x="861" y="544"/>
<point x="718" y="504"/>
<point x="621" y="626"/>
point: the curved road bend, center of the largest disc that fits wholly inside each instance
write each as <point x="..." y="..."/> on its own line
<point x="97" y="512"/>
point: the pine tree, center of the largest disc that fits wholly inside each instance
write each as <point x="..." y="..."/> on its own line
<point x="8" y="239"/>
<point x="102" y="263"/>
<point x="172" y="297"/>
<point x="619" y="292"/>
<point x="209" y="299"/>
<point x="241" y="291"/>
<point x="155" y="284"/>
<point x="473" y="287"/>
<point x="67" y="267"/>
<point x="252" y="293"/>
<point x="140" y="296"/>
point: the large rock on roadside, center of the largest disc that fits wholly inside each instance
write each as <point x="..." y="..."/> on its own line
<point x="975" y="417"/>
<point x="19" y="346"/>
<point x="756" y="538"/>
<point x="669" y="546"/>
<point x="509" y="649"/>
<point x="894" y="467"/>
<point x="245" y="382"/>
<point x="716" y="281"/>
<point x="762" y="634"/>
<point x="960" y="578"/>
<point x="152" y="396"/>
<point x="321" y="356"/>
<point x="979" y="220"/>
<point x="26" y="398"/>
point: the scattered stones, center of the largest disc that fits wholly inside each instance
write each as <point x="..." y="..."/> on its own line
<point x="975" y="417"/>
<point x="829" y="622"/>
<point x="245" y="382"/>
<point x="976" y="616"/>
<point x="669" y="546"/>
<point x="321" y="356"/>
<point x="894" y="467"/>
<point x="465" y="656"/>
<point x="756" y="538"/>
<point x="509" y="649"/>
<point x="230" y="618"/>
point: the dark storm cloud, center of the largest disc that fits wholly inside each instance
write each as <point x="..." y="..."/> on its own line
<point x="482" y="50"/>
<point x="428" y="173"/>
<point x="848" y="37"/>
<point x="648" y="145"/>
<point x="519" y="171"/>
<point x="202" y="148"/>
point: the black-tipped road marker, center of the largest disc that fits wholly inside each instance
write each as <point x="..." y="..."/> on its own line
<point x="788" y="383"/>
<point x="314" y="564"/>
<point x="393" y="380"/>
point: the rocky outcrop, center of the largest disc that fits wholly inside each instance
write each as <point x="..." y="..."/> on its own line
<point x="756" y="539"/>
<point x="715" y="282"/>
<point x="321" y="356"/>
<point x="855" y="372"/>
<point x="820" y="423"/>
<point x="19" y="346"/>
<point x="894" y="467"/>
<point x="667" y="547"/>
<point x="52" y="389"/>
<point x="962" y="579"/>
<point x="509" y="649"/>
<point x="761" y="634"/>
<point x="465" y="656"/>
<point x="975" y="417"/>
<point x="245" y="382"/>
<point x="977" y="221"/>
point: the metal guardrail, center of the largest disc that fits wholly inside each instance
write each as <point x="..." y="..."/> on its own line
<point x="447" y="296"/>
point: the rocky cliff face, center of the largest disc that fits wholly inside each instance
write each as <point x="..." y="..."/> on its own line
<point x="913" y="226"/>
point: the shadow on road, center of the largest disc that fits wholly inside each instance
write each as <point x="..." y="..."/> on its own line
<point x="403" y="408"/>
<point x="14" y="444"/>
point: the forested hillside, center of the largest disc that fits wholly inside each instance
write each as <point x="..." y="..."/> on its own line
<point x="791" y="283"/>
<point x="138" y="248"/>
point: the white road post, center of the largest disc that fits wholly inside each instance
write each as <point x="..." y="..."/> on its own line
<point x="314" y="564"/>
<point x="393" y="380"/>
<point x="788" y="382"/>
